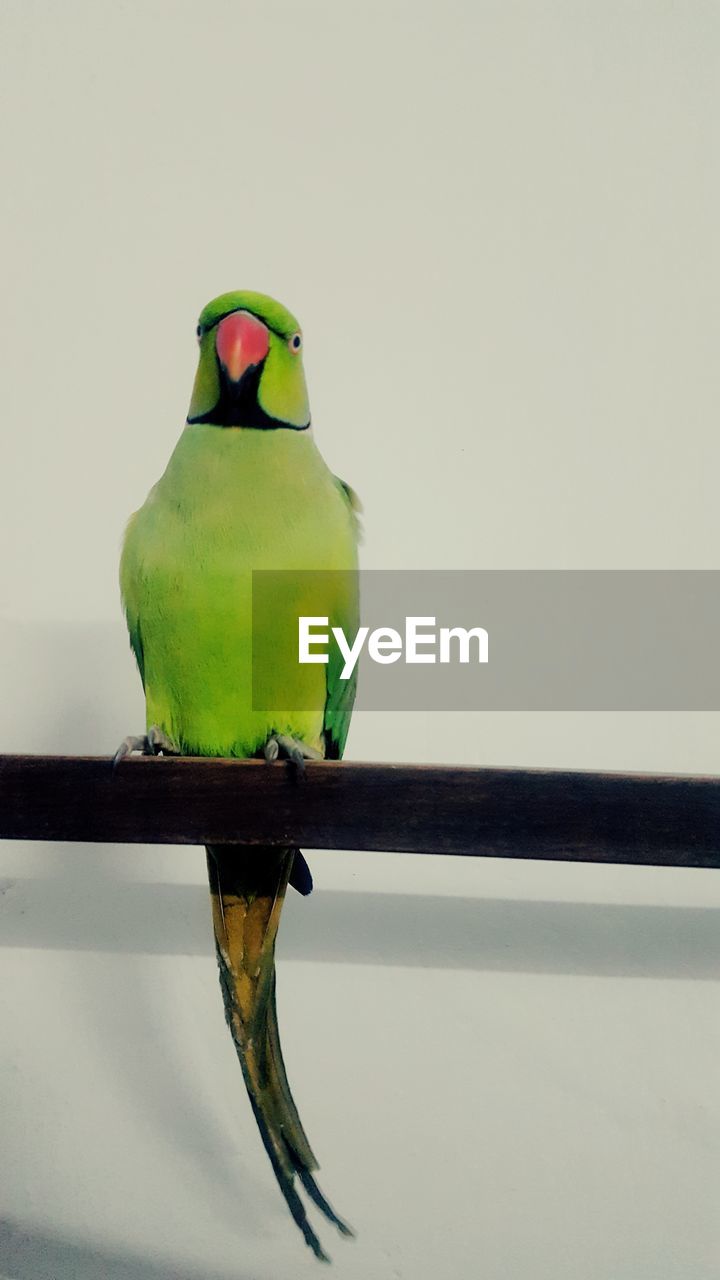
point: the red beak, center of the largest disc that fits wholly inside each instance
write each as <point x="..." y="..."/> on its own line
<point x="242" y="341"/>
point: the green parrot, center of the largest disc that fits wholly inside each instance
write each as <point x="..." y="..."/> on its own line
<point x="245" y="488"/>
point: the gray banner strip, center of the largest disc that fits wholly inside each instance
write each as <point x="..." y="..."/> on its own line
<point x="556" y="640"/>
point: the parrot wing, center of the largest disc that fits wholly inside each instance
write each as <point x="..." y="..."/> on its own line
<point x="129" y="579"/>
<point x="356" y="506"/>
<point x="341" y="693"/>
<point x="338" y="709"/>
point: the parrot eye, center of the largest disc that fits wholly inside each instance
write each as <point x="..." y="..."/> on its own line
<point x="198" y="333"/>
<point x="295" y="342"/>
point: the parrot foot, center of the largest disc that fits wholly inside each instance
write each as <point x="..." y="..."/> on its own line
<point x="292" y="749"/>
<point x="153" y="743"/>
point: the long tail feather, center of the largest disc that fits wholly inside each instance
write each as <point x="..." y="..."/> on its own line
<point x="247" y="888"/>
<point x="293" y="1132"/>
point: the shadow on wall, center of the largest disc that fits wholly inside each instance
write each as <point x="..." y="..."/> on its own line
<point x="73" y="912"/>
<point x="29" y="1253"/>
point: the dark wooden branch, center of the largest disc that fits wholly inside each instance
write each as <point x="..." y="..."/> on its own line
<point x="509" y="813"/>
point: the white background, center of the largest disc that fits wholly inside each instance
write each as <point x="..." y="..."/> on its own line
<point x="498" y="225"/>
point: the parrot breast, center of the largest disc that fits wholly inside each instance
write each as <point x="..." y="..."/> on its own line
<point x="229" y="502"/>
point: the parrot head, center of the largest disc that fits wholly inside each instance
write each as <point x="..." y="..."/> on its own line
<point x="250" y="372"/>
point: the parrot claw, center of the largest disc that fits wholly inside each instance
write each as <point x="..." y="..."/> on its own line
<point x="154" y="742"/>
<point x="295" y="751"/>
<point x="160" y="744"/>
<point x="132" y="745"/>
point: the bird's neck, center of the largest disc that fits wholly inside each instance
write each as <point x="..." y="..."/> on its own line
<point x="209" y="463"/>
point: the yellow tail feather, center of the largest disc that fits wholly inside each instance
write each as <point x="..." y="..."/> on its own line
<point x="247" y="887"/>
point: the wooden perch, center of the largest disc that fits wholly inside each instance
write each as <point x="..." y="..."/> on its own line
<point x="509" y="813"/>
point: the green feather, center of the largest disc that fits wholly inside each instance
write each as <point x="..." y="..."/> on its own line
<point x="272" y="313"/>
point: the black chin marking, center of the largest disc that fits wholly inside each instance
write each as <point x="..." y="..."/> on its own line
<point x="238" y="405"/>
